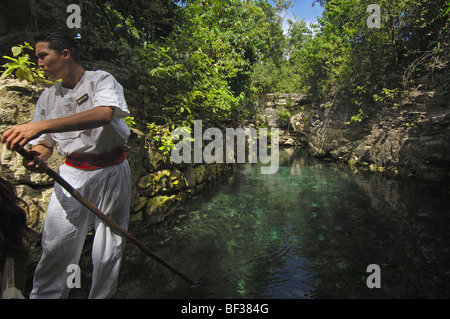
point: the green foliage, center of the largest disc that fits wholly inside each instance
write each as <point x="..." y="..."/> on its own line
<point x="202" y="70"/>
<point x="385" y="94"/>
<point x="298" y="34"/>
<point x="130" y="121"/>
<point x="111" y="29"/>
<point x="358" y="117"/>
<point x="268" y="78"/>
<point x="275" y="74"/>
<point x="162" y="137"/>
<point x="21" y="67"/>
<point x="347" y="58"/>
<point x="181" y="86"/>
<point x="283" y="113"/>
<point x="211" y="60"/>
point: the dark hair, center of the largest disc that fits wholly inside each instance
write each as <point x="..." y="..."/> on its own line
<point x="13" y="219"/>
<point x="60" y="41"/>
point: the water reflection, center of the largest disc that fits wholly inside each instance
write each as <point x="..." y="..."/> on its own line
<point x="309" y="231"/>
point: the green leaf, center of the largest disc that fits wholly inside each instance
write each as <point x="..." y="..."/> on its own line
<point x="6" y="74"/>
<point x="9" y="58"/>
<point x="16" y="50"/>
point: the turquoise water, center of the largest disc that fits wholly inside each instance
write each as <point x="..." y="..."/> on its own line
<point x="309" y="231"/>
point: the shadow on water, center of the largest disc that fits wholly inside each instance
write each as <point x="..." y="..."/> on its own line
<point x="309" y="231"/>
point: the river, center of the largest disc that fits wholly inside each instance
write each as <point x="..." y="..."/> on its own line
<point x="309" y="231"/>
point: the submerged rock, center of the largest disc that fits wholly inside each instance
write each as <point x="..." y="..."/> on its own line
<point x="159" y="207"/>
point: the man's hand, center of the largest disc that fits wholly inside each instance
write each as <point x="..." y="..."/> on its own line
<point x="21" y="135"/>
<point x="41" y="154"/>
<point x="36" y="165"/>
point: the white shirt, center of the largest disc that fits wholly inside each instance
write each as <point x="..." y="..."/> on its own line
<point x="102" y="89"/>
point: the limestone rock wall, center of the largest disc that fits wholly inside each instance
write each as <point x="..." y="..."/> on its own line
<point x="412" y="138"/>
<point x="289" y="113"/>
<point x="17" y="101"/>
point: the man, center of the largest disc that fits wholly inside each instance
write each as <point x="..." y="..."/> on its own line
<point x="83" y="117"/>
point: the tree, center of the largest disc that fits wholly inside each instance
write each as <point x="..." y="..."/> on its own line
<point x="202" y="69"/>
<point x="345" y="54"/>
<point x="298" y="33"/>
<point x="111" y="26"/>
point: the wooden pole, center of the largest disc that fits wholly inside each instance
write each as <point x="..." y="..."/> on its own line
<point x="116" y="227"/>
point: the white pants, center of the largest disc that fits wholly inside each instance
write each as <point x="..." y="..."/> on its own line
<point x="67" y="223"/>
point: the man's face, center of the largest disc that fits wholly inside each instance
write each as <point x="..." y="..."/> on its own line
<point x="52" y="63"/>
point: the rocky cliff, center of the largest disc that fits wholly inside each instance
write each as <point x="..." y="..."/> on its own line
<point x="410" y="138"/>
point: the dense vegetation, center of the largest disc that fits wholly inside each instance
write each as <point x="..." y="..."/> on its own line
<point x="210" y="60"/>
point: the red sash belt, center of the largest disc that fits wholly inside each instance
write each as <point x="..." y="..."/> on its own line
<point x="93" y="161"/>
